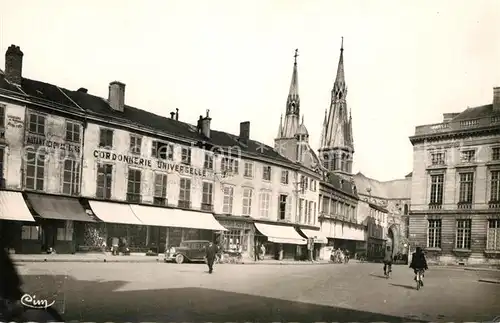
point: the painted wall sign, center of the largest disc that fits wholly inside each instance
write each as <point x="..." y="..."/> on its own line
<point x="14" y="122"/>
<point x="41" y="141"/>
<point x="140" y="161"/>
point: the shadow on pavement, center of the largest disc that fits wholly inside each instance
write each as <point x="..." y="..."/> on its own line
<point x="99" y="301"/>
<point x="378" y="276"/>
<point x="403" y="286"/>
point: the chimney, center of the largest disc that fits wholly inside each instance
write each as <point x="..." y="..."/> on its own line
<point x="172" y="115"/>
<point x="83" y="90"/>
<point x="116" y="97"/>
<point x="14" y="64"/>
<point x="205" y="124"/>
<point x="244" y="131"/>
<point x="177" y="114"/>
<point x="496" y="99"/>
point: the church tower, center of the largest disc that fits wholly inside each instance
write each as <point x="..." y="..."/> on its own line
<point x="337" y="145"/>
<point x="288" y="139"/>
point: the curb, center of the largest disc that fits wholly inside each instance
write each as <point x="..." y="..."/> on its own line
<point x="158" y="260"/>
<point x="491" y="281"/>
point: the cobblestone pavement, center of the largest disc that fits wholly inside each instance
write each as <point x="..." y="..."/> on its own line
<point x="171" y="292"/>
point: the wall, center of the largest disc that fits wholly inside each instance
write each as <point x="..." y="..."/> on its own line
<point x="14" y="131"/>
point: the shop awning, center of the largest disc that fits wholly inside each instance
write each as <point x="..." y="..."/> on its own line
<point x="114" y="212"/>
<point x="13" y="207"/>
<point x="318" y="236"/>
<point x="58" y="207"/>
<point x="280" y="234"/>
<point x="160" y="216"/>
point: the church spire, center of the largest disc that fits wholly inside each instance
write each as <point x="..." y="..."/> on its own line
<point x="339" y="87"/>
<point x="293" y="100"/>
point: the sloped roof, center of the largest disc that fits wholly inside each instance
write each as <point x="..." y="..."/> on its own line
<point x="94" y="105"/>
<point x="342" y="185"/>
<point x="398" y="188"/>
<point x="475" y="113"/>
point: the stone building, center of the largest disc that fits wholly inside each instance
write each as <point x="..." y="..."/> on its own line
<point x="79" y="169"/>
<point x="455" y="193"/>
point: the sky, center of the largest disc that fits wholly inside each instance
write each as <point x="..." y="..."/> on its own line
<point x="406" y="62"/>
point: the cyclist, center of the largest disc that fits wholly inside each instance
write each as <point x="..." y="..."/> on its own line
<point x="388" y="261"/>
<point x="418" y="263"/>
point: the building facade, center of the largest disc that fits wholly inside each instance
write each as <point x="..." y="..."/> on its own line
<point x="455" y="194"/>
<point x="83" y="169"/>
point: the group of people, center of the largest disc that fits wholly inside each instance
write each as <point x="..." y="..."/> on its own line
<point x="260" y="251"/>
<point x="418" y="262"/>
<point x="340" y="256"/>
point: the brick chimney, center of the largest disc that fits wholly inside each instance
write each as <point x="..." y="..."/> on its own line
<point x="14" y="64"/>
<point x="205" y="125"/>
<point x="116" y="97"/>
<point x="244" y="131"/>
<point x="496" y="99"/>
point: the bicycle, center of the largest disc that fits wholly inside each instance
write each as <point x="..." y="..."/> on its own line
<point x="418" y="279"/>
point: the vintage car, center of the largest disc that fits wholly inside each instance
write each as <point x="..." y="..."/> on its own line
<point x="189" y="250"/>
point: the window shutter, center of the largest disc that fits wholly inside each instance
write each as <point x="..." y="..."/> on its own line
<point x="288" y="209"/>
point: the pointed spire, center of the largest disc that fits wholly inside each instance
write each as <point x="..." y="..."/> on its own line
<point x="280" y="129"/>
<point x="339" y="87"/>
<point x="293" y="100"/>
<point x="302" y="119"/>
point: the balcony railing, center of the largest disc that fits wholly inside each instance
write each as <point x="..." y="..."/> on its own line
<point x="133" y="198"/>
<point x="160" y="201"/>
<point x="464" y="205"/>
<point x="435" y="206"/>
<point x="494" y="204"/>
<point x="457" y="125"/>
<point x="184" y="204"/>
<point x="207" y="207"/>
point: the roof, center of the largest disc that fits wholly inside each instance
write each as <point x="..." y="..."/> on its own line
<point x="342" y="185"/>
<point x="398" y="188"/>
<point x="475" y="113"/>
<point x="302" y="130"/>
<point x="99" y="107"/>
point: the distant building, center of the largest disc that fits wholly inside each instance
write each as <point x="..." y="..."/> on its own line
<point x="455" y="194"/>
<point x="78" y="170"/>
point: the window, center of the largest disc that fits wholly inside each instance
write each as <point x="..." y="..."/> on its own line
<point x="235" y="238"/>
<point x="434" y="234"/>
<point x="282" y="207"/>
<point x="493" y="235"/>
<point x="306" y="182"/>
<point x="466" y="188"/>
<point x="247" y="201"/>
<point x="36" y="124"/>
<point x="248" y="170"/>
<point x="65" y="233"/>
<point x="301" y="210"/>
<point x="164" y="151"/>
<point x="208" y="163"/>
<point x="71" y="177"/>
<point x="207" y="198"/>
<point x="35" y="170"/>
<point x="2" y="157"/>
<point x="495" y="153"/>
<point x="467" y="156"/>
<point x="463" y="234"/>
<point x="495" y="186"/>
<point x="284" y="177"/>
<point x="135" y="145"/>
<point x="310" y="220"/>
<point x="106" y="138"/>
<point x="2" y="115"/>
<point x="160" y="193"/>
<point x="325" y="208"/>
<point x="227" y="204"/>
<point x="265" y="200"/>
<point x="437" y="158"/>
<point x="266" y="173"/>
<point x="437" y="189"/>
<point x="30" y="232"/>
<point x="229" y="165"/>
<point x="134" y="186"/>
<point x="72" y="131"/>
<point x="186" y="156"/>
<point x="104" y="180"/>
<point x="185" y="193"/>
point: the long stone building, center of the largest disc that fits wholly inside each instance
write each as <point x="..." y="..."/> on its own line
<point x="455" y="192"/>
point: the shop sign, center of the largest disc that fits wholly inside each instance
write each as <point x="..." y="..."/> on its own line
<point x="42" y="141"/>
<point x="145" y="162"/>
<point x="14" y="122"/>
<point x="234" y="224"/>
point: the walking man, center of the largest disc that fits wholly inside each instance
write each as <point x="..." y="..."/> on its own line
<point x="388" y="261"/>
<point x="211" y="252"/>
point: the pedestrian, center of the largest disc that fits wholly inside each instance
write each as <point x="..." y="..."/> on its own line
<point x="388" y="258"/>
<point x="256" y="252"/>
<point x="211" y="253"/>
<point x="262" y="251"/>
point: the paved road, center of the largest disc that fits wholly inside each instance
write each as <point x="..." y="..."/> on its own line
<point x="170" y="292"/>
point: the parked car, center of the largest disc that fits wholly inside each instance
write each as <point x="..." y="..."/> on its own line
<point x="189" y="250"/>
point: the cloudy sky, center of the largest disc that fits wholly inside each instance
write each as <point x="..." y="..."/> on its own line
<point x="406" y="62"/>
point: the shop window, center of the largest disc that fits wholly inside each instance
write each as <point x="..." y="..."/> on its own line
<point x="35" y="170"/>
<point x="65" y="233"/>
<point x="30" y="232"/>
<point x="234" y="239"/>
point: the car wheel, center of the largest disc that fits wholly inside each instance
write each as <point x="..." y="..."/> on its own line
<point x="179" y="259"/>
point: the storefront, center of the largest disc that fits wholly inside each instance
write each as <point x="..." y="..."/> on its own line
<point x="375" y="249"/>
<point x="18" y="229"/>
<point x="281" y="241"/>
<point x="239" y="236"/>
<point x="60" y="218"/>
<point x="320" y="242"/>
